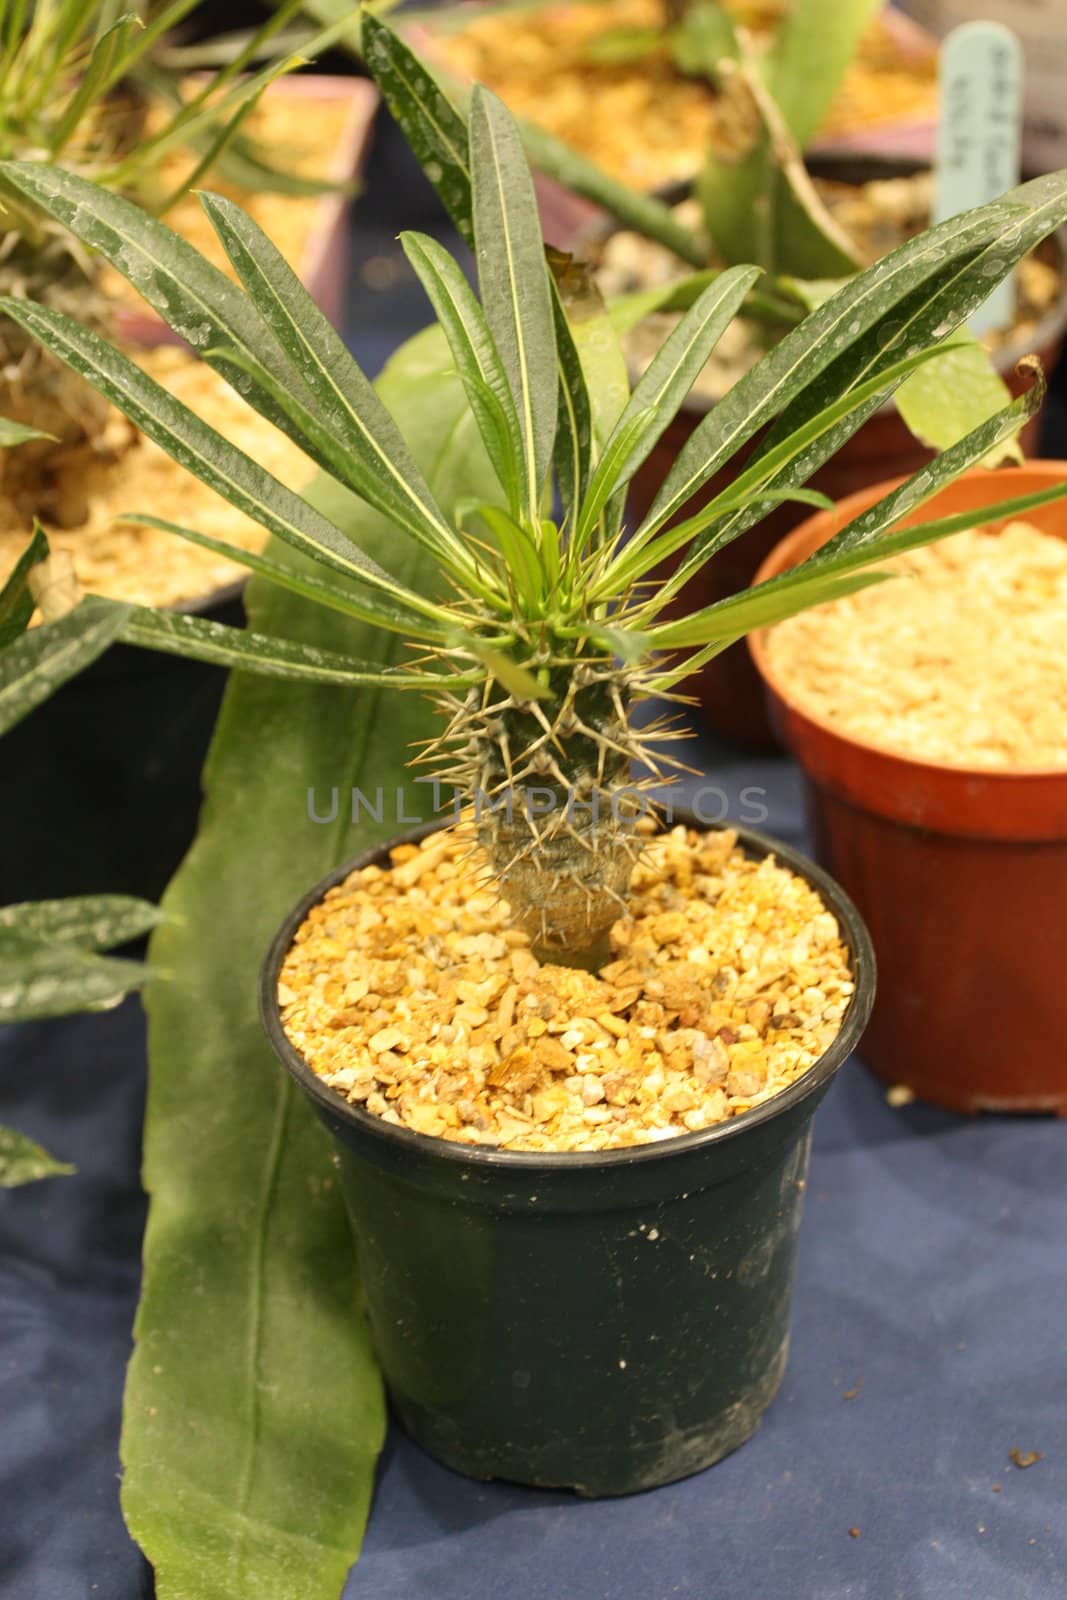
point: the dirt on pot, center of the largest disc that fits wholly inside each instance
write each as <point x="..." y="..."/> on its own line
<point x="298" y="136"/>
<point x="643" y="121"/>
<point x="145" y="565"/>
<point x="961" y="659"/>
<point x="877" y="216"/>
<point x="408" y="991"/>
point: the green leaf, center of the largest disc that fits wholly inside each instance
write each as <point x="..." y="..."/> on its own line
<point x="477" y="360"/>
<point x="671" y="374"/>
<point x="952" y="394"/>
<point x="513" y="280"/>
<point x="196" y="299"/>
<point x="759" y="202"/>
<point x="195" y="445"/>
<point x="199" y="639"/>
<point x="836" y="569"/>
<point x="575" y="443"/>
<point x="918" y="293"/>
<point x="53" y="981"/>
<point x="621" y="448"/>
<point x="747" y="492"/>
<point x="111" y="46"/>
<point x="254" y="1410"/>
<point x="97" y="922"/>
<point x="632" y="209"/>
<point x="16" y="600"/>
<point x="24" y="1161"/>
<point x="42" y="659"/>
<point x="383" y="470"/>
<point x="813" y="45"/>
<point x="338" y="594"/>
<point x="434" y="129"/>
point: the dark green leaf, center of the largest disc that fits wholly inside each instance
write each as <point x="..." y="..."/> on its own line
<point x="434" y="129"/>
<point x="42" y="659"/>
<point x="918" y="293"/>
<point x="513" y="280"/>
<point x="383" y="470"/>
<point x="199" y="639"/>
<point x="254" y="1410"/>
<point x="477" y="360"/>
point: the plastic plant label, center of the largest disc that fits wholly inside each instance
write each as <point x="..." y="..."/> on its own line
<point x="979" y="136"/>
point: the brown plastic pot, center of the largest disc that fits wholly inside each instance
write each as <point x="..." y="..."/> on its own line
<point x="959" y="873"/>
<point x="728" y="688"/>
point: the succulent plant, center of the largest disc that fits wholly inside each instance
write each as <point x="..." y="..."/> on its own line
<point x="77" y="80"/>
<point x="545" y="629"/>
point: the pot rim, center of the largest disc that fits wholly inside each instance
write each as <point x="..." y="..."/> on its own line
<point x="864" y="975"/>
<point x="781" y="559"/>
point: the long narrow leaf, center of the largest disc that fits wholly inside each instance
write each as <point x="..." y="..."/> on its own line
<point x="194" y="297"/>
<point x="193" y="444"/>
<point x="434" y="129"/>
<point x="575" y="444"/>
<point x="861" y="544"/>
<point x="513" y="279"/>
<point x="368" y="607"/>
<point x="40" y="981"/>
<point x="384" y="471"/>
<point x="477" y="360"/>
<point x="672" y="372"/>
<point x="748" y="492"/>
<point x="922" y="290"/>
<point x="199" y="639"/>
<point x="42" y="659"/>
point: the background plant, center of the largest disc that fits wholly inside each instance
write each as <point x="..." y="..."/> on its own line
<point x="79" y="81"/>
<point x="757" y="200"/>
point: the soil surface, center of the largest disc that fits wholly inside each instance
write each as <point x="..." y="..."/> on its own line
<point x="143" y="564"/>
<point x="643" y="121"/>
<point x="409" y="992"/>
<point x="962" y="658"/>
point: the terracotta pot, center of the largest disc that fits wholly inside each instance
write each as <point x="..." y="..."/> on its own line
<point x="728" y="688"/>
<point x="323" y="269"/>
<point x="960" y="873"/>
<point x="605" y="1321"/>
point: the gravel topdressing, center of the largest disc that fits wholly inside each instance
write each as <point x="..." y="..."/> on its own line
<point x="409" y="992"/>
<point x="962" y="659"/>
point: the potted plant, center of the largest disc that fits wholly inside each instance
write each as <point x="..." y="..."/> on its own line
<point x="109" y="96"/>
<point x="627" y="84"/>
<point x="544" y="638"/>
<point x="755" y="199"/>
<point x="929" y="837"/>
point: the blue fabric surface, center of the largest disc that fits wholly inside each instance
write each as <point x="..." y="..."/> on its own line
<point x="932" y="1290"/>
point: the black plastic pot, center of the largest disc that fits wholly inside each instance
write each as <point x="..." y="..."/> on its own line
<point x="604" y="1322"/>
<point x="100" y="786"/>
